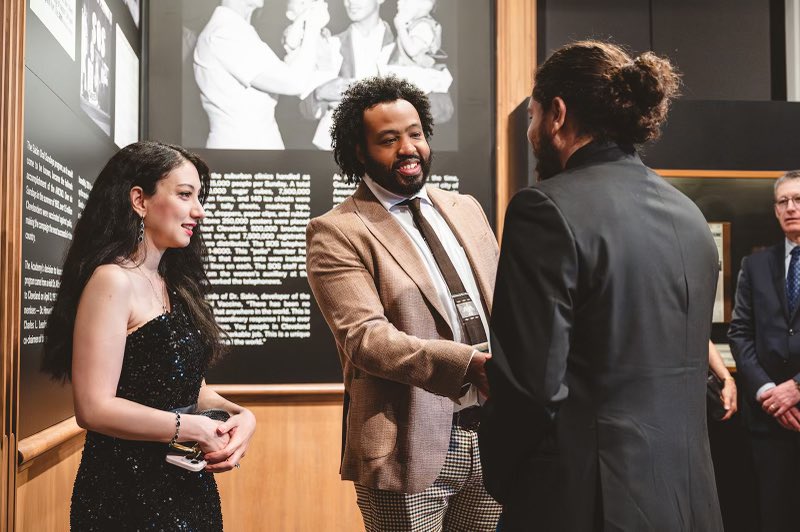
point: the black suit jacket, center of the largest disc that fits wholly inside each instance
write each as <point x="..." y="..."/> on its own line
<point x="764" y="338"/>
<point x="600" y="327"/>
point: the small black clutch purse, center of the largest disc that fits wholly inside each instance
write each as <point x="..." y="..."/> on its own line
<point x="216" y="414"/>
<point x="188" y="454"/>
<point x="714" y="405"/>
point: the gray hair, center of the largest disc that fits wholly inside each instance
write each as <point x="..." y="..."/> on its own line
<point x="791" y="174"/>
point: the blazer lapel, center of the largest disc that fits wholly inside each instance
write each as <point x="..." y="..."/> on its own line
<point x="391" y="235"/>
<point x="467" y="228"/>
<point x="777" y="264"/>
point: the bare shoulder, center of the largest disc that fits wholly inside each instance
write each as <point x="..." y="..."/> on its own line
<point x="109" y="280"/>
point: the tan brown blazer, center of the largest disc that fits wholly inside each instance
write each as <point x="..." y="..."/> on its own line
<point x="401" y="367"/>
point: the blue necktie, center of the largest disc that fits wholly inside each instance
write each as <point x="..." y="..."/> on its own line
<point x="793" y="281"/>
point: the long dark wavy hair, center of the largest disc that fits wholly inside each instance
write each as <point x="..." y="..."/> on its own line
<point x="106" y="233"/>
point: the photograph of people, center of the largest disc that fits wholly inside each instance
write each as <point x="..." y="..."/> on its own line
<point x="96" y="63"/>
<point x="131" y="329"/>
<point x="419" y="36"/>
<point x="418" y="55"/>
<point x="366" y="45"/>
<point x="269" y="75"/>
<point x="239" y="75"/>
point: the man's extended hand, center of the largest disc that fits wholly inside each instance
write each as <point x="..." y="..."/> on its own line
<point x="476" y="372"/>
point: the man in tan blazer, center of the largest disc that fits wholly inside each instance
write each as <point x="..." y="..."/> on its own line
<point x="403" y="328"/>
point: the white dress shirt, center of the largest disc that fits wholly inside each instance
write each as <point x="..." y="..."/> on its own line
<point x="402" y="214"/>
<point x="367" y="50"/>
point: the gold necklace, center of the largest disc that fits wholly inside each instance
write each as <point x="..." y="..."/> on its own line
<point x="153" y="288"/>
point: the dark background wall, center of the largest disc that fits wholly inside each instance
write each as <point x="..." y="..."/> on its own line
<point x="723" y="47"/>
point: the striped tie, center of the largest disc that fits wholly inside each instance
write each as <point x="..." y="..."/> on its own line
<point x="793" y="281"/>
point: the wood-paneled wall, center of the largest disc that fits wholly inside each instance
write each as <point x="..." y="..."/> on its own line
<point x="44" y="487"/>
<point x="516" y="66"/>
<point x="289" y="480"/>
<point x="12" y="42"/>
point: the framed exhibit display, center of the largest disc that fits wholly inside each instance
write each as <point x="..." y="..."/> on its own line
<point x="721" y="231"/>
<point x="253" y="94"/>
<point x="744" y="200"/>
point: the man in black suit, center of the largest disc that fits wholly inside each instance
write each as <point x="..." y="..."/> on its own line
<point x="603" y="305"/>
<point x="767" y="352"/>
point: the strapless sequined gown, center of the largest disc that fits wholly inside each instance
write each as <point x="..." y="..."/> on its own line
<point x="128" y="485"/>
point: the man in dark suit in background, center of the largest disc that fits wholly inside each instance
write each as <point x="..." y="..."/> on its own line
<point x="767" y="351"/>
<point x="603" y="303"/>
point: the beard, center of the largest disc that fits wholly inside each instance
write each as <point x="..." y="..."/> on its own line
<point x="393" y="181"/>
<point x="548" y="163"/>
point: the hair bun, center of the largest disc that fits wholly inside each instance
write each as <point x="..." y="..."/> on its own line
<point x="612" y="96"/>
<point x="646" y="82"/>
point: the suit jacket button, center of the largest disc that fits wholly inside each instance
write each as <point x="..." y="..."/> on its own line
<point x="791" y="332"/>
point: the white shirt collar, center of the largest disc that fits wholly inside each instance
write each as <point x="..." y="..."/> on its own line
<point x="788" y="247"/>
<point x="389" y="199"/>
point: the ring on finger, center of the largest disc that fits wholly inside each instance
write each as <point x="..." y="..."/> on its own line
<point x="237" y="465"/>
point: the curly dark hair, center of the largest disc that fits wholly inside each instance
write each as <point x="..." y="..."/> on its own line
<point x="347" y="131"/>
<point x="612" y="96"/>
<point x="106" y="233"/>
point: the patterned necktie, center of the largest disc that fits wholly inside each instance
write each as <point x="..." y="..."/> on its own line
<point x="471" y="322"/>
<point x="793" y="281"/>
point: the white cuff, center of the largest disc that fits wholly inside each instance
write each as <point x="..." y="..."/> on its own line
<point x="764" y="388"/>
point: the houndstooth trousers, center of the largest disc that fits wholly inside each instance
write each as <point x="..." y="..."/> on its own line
<point x="455" y="502"/>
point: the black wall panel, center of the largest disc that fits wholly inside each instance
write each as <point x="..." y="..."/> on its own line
<point x="721" y="46"/>
<point x="623" y="21"/>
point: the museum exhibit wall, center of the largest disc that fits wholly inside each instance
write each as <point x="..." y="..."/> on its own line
<point x="725" y="140"/>
<point x="72" y="124"/>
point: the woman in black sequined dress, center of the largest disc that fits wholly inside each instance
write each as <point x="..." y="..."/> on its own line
<point x="132" y="330"/>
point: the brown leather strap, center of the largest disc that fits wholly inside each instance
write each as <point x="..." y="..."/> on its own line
<point x="474" y="333"/>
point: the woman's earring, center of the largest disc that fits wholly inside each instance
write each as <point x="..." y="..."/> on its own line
<point x="140" y="238"/>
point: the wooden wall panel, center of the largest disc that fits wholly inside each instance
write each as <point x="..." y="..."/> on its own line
<point x="516" y="65"/>
<point x="12" y="43"/>
<point x="44" y="488"/>
<point x="289" y="480"/>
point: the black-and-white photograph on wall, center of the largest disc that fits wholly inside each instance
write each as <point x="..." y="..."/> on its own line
<point x="96" y="62"/>
<point x="250" y="86"/>
<point x="269" y="75"/>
